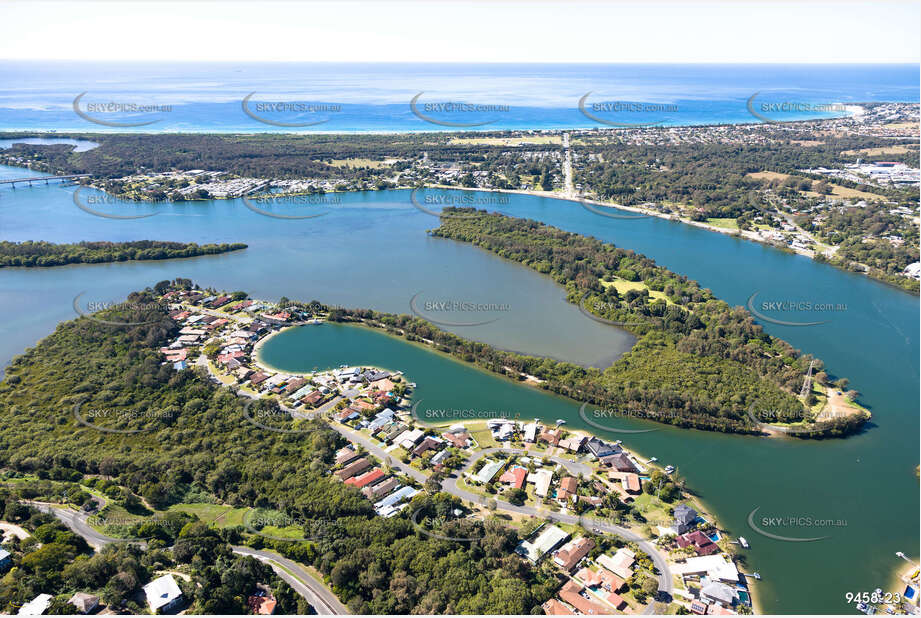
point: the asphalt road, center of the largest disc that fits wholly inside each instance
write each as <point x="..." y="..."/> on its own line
<point x="318" y="595"/>
<point x="666" y="584"/>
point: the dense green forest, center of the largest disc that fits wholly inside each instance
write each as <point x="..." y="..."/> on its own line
<point x="199" y="437"/>
<point x="698" y="361"/>
<point x="41" y="253"/>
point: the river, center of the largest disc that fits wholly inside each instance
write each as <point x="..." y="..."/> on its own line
<point x="371" y="250"/>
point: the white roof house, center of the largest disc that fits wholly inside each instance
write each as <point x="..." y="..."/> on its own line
<point x="161" y="592"/>
<point x="716" y="567"/>
<point x="488" y="471"/>
<point x="530" y="432"/>
<point x="546" y="542"/>
<point x="37" y="606"/>
<point x="541" y="479"/>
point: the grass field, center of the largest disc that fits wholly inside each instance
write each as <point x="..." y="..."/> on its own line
<point x="726" y="223"/>
<point x="880" y="151"/>
<point x="836" y="190"/>
<point x="623" y="286"/>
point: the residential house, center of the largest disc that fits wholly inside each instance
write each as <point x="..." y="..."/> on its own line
<point x="573" y="594"/>
<point x="631" y="483"/>
<point x="368" y="478"/>
<point x="258" y="378"/>
<point x="261" y="604"/>
<point x="702" y="545"/>
<point x="620" y="462"/>
<point x="547" y="541"/>
<point x="542" y="479"/>
<point x="84" y="602"/>
<point x="715" y="567"/>
<point x="459" y="439"/>
<point x="554" y="607"/>
<point x="409" y="439"/>
<point x="573" y="444"/>
<point x="37" y="606"/>
<point x="698" y="607"/>
<point x="619" y="563"/>
<point x="600" y="448"/>
<point x="163" y="594"/>
<point x="488" y="471"/>
<point x="514" y="477"/>
<point x="428" y="444"/>
<point x="568" y="556"/>
<point x="550" y="436"/>
<point x="373" y="492"/>
<point x="569" y="485"/>
<point x="345" y="455"/>
<point x="353" y="469"/>
<point x="5" y="558"/>
<point x="685" y="518"/>
<point x="718" y="592"/>
<point x="530" y="431"/>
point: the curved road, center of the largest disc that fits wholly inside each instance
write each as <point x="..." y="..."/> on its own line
<point x="666" y="583"/>
<point x="320" y="598"/>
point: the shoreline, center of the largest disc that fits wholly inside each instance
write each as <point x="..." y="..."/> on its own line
<point x="690" y="498"/>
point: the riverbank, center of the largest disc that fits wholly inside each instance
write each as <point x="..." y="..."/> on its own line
<point x="862" y="269"/>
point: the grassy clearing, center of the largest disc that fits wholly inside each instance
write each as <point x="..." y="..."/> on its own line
<point x="836" y="190"/>
<point x="898" y="149"/>
<point x="623" y="286"/>
<point x="726" y="223"/>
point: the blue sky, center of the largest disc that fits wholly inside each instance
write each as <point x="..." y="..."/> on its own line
<point x="472" y="31"/>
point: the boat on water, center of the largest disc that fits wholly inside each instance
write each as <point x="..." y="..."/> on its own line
<point x="560" y="421"/>
<point x="669" y="469"/>
<point x="743" y="542"/>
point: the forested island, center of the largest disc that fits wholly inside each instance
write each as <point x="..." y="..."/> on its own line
<point x="698" y="362"/>
<point x="42" y="254"/>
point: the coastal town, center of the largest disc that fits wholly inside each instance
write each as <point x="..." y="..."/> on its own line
<point x="585" y="505"/>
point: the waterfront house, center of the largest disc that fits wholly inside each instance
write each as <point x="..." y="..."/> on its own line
<point x="5" y="559"/>
<point x="163" y="594"/>
<point x="458" y="438"/>
<point x="631" y="482"/>
<point x="620" y="462"/>
<point x="600" y="448"/>
<point x="530" y="432"/>
<point x="702" y="545"/>
<point x="684" y="518"/>
<point x="573" y="444"/>
<point x="717" y="592"/>
<point x="716" y="568"/>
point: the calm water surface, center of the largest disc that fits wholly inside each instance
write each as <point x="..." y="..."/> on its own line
<point x="371" y="250"/>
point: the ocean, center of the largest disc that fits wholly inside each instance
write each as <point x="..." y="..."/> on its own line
<point x="389" y="98"/>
